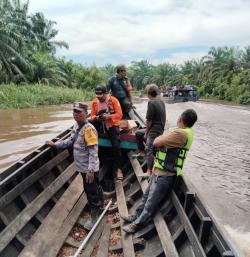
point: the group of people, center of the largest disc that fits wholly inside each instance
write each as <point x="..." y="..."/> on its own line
<point x="165" y="153"/>
<point x="186" y="90"/>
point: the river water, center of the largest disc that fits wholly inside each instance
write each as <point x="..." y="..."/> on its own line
<point x="217" y="168"/>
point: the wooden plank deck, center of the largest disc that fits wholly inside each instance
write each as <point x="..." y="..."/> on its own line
<point x="160" y="224"/>
<point x="7" y="198"/>
<point x="21" y="220"/>
<point x="48" y="231"/>
<point x="103" y="248"/>
<point x="127" y="240"/>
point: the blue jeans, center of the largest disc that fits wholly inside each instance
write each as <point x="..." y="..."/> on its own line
<point x="157" y="190"/>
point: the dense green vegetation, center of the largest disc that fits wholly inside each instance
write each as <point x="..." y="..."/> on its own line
<point x="224" y="73"/>
<point x="27" y="51"/>
<point x="27" y="56"/>
<point x="13" y="96"/>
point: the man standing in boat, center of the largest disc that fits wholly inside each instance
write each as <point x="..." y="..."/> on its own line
<point x="120" y="87"/>
<point x="155" y="123"/>
<point x="106" y="114"/>
<point x="84" y="140"/>
<point x="169" y="159"/>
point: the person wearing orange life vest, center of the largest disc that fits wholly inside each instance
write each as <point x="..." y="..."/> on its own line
<point x="169" y="159"/>
<point x="106" y="114"/>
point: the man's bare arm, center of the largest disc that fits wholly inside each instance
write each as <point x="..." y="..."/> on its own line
<point x="159" y="141"/>
<point x="148" y="127"/>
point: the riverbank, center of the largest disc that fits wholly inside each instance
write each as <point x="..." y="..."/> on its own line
<point x="23" y="96"/>
<point x="216" y="101"/>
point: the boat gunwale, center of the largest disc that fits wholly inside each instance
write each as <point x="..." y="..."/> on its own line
<point x="188" y="186"/>
<point x="29" y="159"/>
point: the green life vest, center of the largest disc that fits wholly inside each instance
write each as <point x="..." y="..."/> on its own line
<point x="172" y="159"/>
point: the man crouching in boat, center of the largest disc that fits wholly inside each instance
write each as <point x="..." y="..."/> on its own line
<point x="84" y="140"/>
<point x="168" y="163"/>
<point x="106" y="114"/>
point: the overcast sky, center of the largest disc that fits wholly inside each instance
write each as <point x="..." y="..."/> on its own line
<point x="104" y="31"/>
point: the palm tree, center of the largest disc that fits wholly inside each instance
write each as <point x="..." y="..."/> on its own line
<point x="47" y="71"/>
<point x="221" y="62"/>
<point x="13" y="61"/>
<point x="44" y="34"/>
<point x="21" y="36"/>
<point x="109" y="70"/>
<point x="245" y="58"/>
<point x="167" y="74"/>
<point x="161" y="74"/>
<point x="193" y="71"/>
<point x="141" y="73"/>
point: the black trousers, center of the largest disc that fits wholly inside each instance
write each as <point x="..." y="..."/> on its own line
<point x="93" y="191"/>
<point x="139" y="136"/>
<point x="114" y="135"/>
<point x="126" y="106"/>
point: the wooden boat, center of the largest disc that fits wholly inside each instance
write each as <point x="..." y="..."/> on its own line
<point x="42" y="204"/>
<point x="180" y="95"/>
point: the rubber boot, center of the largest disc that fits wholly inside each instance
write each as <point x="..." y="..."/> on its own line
<point x="94" y="215"/>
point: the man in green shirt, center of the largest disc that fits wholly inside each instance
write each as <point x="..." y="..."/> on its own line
<point x="121" y="87"/>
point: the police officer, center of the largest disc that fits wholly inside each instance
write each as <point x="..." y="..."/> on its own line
<point x="84" y="140"/>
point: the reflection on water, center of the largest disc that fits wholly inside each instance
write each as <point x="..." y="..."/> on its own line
<point x="23" y="130"/>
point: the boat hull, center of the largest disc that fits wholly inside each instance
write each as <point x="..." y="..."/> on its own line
<point x="42" y="198"/>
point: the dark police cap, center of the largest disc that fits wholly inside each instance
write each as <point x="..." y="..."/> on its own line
<point x="80" y="106"/>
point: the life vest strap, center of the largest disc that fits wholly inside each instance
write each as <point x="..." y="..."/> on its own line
<point x="180" y="155"/>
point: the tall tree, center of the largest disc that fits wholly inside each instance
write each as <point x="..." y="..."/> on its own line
<point x="47" y="71"/>
<point x="44" y="34"/>
<point x="109" y="70"/>
<point x="140" y="73"/>
<point x="166" y="74"/>
<point x="13" y="58"/>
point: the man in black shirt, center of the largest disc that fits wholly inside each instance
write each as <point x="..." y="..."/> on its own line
<point x="155" y="123"/>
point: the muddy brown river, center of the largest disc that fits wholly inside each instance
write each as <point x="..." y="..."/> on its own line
<point x="217" y="168"/>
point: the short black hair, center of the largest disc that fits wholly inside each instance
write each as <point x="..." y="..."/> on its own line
<point x="189" y="117"/>
<point x="100" y="89"/>
<point x="120" y="67"/>
<point x="152" y="89"/>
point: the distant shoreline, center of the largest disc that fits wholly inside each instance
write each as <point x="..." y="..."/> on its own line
<point x="217" y="101"/>
<point x="17" y="97"/>
<point x="28" y="96"/>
